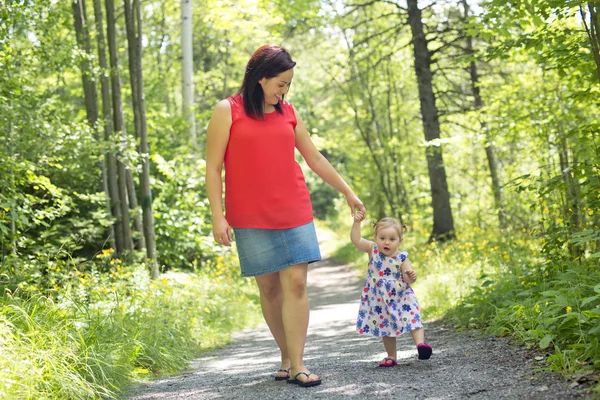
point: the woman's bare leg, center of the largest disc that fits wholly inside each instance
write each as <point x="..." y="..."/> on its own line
<point x="295" y="316"/>
<point x="271" y="301"/>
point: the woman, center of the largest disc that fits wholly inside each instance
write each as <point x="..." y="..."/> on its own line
<point x="255" y="134"/>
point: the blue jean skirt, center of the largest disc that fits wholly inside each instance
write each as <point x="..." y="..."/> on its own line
<point x="264" y="251"/>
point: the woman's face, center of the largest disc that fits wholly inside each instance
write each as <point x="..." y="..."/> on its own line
<point x="274" y="88"/>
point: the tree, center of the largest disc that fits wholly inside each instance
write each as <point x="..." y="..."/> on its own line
<point x="372" y="93"/>
<point x="111" y="161"/>
<point x="134" y="39"/>
<point x="490" y="151"/>
<point x="119" y="124"/>
<point x="187" y="71"/>
<point x="91" y="95"/>
<point x="443" y="222"/>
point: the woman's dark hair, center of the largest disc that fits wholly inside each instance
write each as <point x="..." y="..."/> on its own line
<point x="267" y="61"/>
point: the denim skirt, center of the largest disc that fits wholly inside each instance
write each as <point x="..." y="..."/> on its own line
<point x="264" y="251"/>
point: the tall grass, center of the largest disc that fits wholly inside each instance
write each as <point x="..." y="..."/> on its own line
<point x="93" y="337"/>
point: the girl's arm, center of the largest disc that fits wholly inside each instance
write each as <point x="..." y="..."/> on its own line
<point x="408" y="274"/>
<point x="357" y="240"/>
<point x="217" y="137"/>
<point x="319" y="164"/>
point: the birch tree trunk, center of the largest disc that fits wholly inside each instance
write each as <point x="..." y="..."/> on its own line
<point x="187" y="69"/>
<point x="443" y="223"/>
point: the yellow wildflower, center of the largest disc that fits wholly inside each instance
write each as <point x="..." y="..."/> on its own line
<point x="569" y="309"/>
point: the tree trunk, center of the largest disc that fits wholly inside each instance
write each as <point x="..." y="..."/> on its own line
<point x="139" y="110"/>
<point x="91" y="96"/>
<point x="187" y="69"/>
<point x="118" y="121"/>
<point x="489" y="146"/>
<point x="140" y="244"/>
<point x="443" y="223"/>
<point x="11" y="152"/>
<point x="111" y="161"/>
<point x="592" y="28"/>
<point x="133" y="79"/>
<point x="572" y="207"/>
<point x="85" y="65"/>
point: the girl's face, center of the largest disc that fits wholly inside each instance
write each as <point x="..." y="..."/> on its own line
<point x="274" y="88"/>
<point x="388" y="240"/>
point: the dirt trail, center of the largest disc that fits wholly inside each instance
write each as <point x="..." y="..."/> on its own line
<point x="464" y="365"/>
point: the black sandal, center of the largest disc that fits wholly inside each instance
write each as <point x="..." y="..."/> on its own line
<point x="298" y="382"/>
<point x="283" y="378"/>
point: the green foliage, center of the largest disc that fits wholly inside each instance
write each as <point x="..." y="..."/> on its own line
<point x="181" y="213"/>
<point x="548" y="306"/>
<point x="355" y="89"/>
<point x="103" y="330"/>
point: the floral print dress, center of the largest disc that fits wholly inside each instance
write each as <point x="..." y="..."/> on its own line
<point x="388" y="305"/>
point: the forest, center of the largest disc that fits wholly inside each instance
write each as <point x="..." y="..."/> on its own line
<point x="475" y="122"/>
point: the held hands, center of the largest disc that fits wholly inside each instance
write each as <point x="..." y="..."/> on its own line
<point x="359" y="216"/>
<point x="409" y="276"/>
<point x="222" y="232"/>
<point x="354" y="203"/>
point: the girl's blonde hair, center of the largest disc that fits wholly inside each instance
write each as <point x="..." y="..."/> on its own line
<point x="390" y="222"/>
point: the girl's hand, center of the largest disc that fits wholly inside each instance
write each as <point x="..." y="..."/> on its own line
<point x="359" y="216"/>
<point x="222" y="231"/>
<point x="410" y="276"/>
<point x="354" y="203"/>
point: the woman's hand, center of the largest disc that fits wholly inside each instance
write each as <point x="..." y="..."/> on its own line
<point x="222" y="231"/>
<point x="354" y="203"/>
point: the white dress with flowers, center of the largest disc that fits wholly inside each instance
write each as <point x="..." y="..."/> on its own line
<point x="388" y="305"/>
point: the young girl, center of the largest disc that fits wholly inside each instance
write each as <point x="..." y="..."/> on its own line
<point x="388" y="305"/>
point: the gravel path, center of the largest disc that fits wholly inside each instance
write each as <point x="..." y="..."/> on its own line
<point x="464" y="365"/>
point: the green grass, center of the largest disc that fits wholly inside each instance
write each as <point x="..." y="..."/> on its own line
<point x="102" y="332"/>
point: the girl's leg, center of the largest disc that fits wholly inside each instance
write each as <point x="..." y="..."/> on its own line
<point x="389" y="343"/>
<point x="271" y="301"/>
<point x="423" y="348"/>
<point x="295" y="317"/>
<point x="418" y="335"/>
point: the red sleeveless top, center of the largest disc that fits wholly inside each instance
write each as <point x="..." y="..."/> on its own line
<point x="264" y="185"/>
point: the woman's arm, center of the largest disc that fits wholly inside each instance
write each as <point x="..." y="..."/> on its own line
<point x="319" y="164"/>
<point x="217" y="137"/>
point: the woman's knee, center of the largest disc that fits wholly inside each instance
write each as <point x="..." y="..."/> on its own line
<point x="295" y="282"/>
<point x="269" y="286"/>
